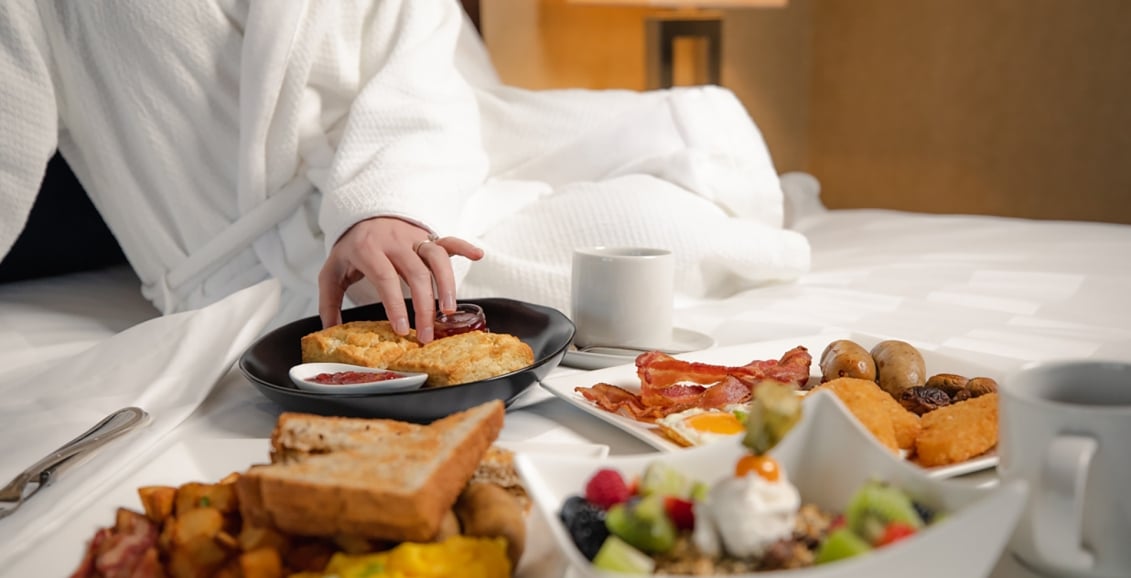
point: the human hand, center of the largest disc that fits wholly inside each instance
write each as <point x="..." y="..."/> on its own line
<point x="383" y="250"/>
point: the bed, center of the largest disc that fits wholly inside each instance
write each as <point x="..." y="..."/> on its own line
<point x="73" y="347"/>
<point x="999" y="290"/>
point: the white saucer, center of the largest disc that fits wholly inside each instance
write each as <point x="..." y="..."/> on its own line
<point x="683" y="341"/>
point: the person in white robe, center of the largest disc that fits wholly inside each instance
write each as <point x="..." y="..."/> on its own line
<point x="324" y="142"/>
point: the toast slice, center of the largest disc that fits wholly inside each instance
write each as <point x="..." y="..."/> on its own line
<point x="368" y="343"/>
<point x="466" y="357"/>
<point x="378" y="479"/>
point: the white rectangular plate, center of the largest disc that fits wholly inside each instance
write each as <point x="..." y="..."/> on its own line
<point x="625" y="376"/>
<point x="208" y="460"/>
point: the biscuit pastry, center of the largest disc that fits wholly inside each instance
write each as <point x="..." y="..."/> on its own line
<point x="466" y="357"/>
<point x="368" y="343"/>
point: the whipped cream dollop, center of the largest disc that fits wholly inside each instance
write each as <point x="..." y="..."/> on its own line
<point x="746" y="515"/>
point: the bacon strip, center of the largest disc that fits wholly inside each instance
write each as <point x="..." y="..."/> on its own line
<point x="128" y="550"/>
<point x="618" y="400"/>
<point x="669" y="385"/>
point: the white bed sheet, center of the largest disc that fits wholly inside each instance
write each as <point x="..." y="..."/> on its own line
<point x="999" y="291"/>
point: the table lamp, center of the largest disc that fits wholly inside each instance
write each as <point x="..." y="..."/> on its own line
<point x="700" y="20"/>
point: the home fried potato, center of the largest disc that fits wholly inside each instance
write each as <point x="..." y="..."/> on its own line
<point x="196" y="530"/>
<point x="875" y="409"/>
<point x="194" y="495"/>
<point x="958" y="432"/>
<point x="157" y="501"/>
<point x="260" y="563"/>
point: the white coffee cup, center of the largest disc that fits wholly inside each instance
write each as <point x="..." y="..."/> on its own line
<point x="1066" y="429"/>
<point x="622" y="296"/>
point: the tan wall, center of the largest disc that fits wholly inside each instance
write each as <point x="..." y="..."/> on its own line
<point x="1011" y="107"/>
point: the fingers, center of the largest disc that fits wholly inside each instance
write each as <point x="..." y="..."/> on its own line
<point x="439" y="263"/>
<point x="417" y="271"/>
<point x="331" y="291"/>
<point x="382" y="273"/>
<point x="380" y="251"/>
<point x="456" y="246"/>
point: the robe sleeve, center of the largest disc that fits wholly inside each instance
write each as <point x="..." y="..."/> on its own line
<point x="28" y="116"/>
<point x="410" y="145"/>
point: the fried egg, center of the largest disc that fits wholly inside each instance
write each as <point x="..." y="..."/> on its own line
<point x="697" y="426"/>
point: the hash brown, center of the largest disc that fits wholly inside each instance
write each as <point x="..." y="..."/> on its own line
<point x="958" y="432"/>
<point x="875" y="408"/>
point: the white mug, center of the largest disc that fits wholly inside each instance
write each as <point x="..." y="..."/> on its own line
<point x="1066" y="430"/>
<point x="622" y="296"/>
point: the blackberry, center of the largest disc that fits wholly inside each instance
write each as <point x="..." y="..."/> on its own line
<point x="926" y="514"/>
<point x="585" y="523"/>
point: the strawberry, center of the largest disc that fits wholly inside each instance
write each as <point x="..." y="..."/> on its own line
<point x="606" y="489"/>
<point x="634" y="486"/>
<point x="681" y="512"/>
<point x="895" y="532"/>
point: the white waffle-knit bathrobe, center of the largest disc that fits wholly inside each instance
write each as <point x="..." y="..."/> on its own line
<point x="228" y="141"/>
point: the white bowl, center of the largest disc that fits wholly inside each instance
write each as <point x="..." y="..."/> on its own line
<point x="828" y="456"/>
<point x="302" y="373"/>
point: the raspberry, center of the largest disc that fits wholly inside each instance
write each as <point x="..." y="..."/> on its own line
<point x="606" y="489"/>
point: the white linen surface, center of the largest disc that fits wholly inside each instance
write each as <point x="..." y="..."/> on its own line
<point x="999" y="291"/>
<point x="166" y="366"/>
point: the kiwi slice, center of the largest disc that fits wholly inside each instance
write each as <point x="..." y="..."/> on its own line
<point x="616" y="555"/>
<point x="664" y="480"/>
<point x="840" y="544"/>
<point x="774" y="410"/>
<point x="643" y="525"/>
<point x="874" y="506"/>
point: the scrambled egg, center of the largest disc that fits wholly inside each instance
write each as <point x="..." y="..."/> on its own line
<point x="457" y="556"/>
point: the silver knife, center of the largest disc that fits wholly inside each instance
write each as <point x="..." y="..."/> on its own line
<point x="41" y="473"/>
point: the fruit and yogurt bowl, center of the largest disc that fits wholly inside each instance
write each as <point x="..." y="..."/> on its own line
<point x="815" y="498"/>
<point x="665" y="522"/>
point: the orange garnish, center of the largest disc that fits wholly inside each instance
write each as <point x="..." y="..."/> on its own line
<point x="764" y="466"/>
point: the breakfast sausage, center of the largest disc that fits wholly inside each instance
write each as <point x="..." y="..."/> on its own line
<point x="899" y="366"/>
<point x="449" y="526"/>
<point x="845" y="358"/>
<point x="488" y="511"/>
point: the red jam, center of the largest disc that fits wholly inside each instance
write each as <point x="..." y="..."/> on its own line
<point x="467" y="317"/>
<point x="353" y="377"/>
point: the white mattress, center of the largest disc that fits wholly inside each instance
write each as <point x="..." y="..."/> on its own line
<point x="1001" y="291"/>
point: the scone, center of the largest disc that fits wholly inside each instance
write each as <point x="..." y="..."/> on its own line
<point x="368" y="343"/>
<point x="466" y="357"/>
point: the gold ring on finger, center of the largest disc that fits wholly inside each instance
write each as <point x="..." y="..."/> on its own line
<point x="432" y="238"/>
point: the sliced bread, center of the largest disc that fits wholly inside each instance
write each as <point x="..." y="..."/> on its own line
<point x="379" y="479"/>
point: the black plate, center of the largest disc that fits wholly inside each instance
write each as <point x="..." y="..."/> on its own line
<point x="546" y="330"/>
